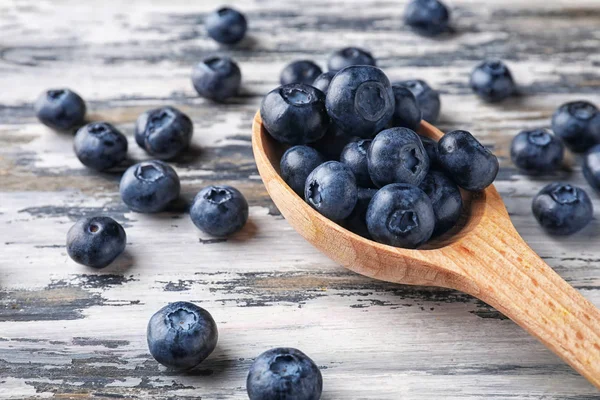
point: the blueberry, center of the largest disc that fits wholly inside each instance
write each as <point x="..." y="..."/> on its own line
<point x="217" y="78"/>
<point x="295" y="114"/>
<point x="349" y="56"/>
<point x="331" y="190"/>
<point x="401" y="215"/>
<point x="226" y="25"/>
<point x="492" y="81"/>
<point x="562" y="209"/>
<point x="445" y="199"/>
<point x="466" y="161"/>
<point x="431" y="148"/>
<point x="407" y="113"/>
<point x="100" y="146"/>
<point x="357" y="220"/>
<point x="219" y="210"/>
<point x="96" y="241"/>
<point x="297" y="163"/>
<point x="181" y="335"/>
<point x="578" y="125"/>
<point x="284" y="374"/>
<point x="427" y="17"/>
<point x="322" y="81"/>
<point x="536" y="151"/>
<point x="396" y="155"/>
<point x="591" y="167"/>
<point x="164" y="132"/>
<point x="354" y="156"/>
<point x="303" y="71"/>
<point x="360" y="100"/>
<point x="428" y="99"/>
<point x="60" y="109"/>
<point x="149" y="186"/>
<point x="334" y="141"/>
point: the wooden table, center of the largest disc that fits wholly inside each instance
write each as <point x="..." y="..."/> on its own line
<point x="71" y="332"/>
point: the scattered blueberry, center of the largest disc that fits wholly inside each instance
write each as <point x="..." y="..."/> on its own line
<point x="331" y="190"/>
<point x="297" y="163"/>
<point x="322" y="82"/>
<point x="357" y="220"/>
<point x="407" y="113"/>
<point x="284" y="374"/>
<point x="164" y="132"/>
<point x="100" y="146"/>
<point x="149" y="186"/>
<point x="431" y="148"/>
<point x="591" y="167"/>
<point x="466" y="161"/>
<point x="349" y="56"/>
<point x="360" y="100"/>
<point x="536" y="151"/>
<point x="427" y="17"/>
<point x="401" y="215"/>
<point x="578" y="125"/>
<point x="445" y="199"/>
<point x="334" y="141"/>
<point x="60" y="109"/>
<point x="96" y="241"/>
<point x="226" y="25"/>
<point x="295" y="114"/>
<point x="396" y="155"/>
<point x="562" y="209"/>
<point x="219" y="210"/>
<point x="354" y="156"/>
<point x="303" y="71"/>
<point x="217" y="78"/>
<point x="181" y="335"/>
<point x="428" y="99"/>
<point x="492" y="81"/>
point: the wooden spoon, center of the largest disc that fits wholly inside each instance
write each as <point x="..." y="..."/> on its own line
<point x="483" y="256"/>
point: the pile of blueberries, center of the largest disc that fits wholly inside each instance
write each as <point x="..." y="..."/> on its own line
<point x="355" y="157"/>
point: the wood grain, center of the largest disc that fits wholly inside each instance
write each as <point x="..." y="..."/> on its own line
<point x="70" y="332"/>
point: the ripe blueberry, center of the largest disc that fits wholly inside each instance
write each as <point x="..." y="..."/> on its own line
<point x="322" y="81"/>
<point x="100" y="146"/>
<point x="445" y="199"/>
<point x="331" y="190"/>
<point x="354" y="156"/>
<point x="536" y="151"/>
<point x="164" y="132"/>
<point x="303" y="71"/>
<point x="407" y="113"/>
<point x="96" y="241"/>
<point x="492" y="81"/>
<point x="60" y="109"/>
<point x="578" y="124"/>
<point x="428" y="99"/>
<point x="149" y="186"/>
<point x="296" y="164"/>
<point x="349" y="56"/>
<point x="562" y="209"/>
<point x="226" y="25"/>
<point x="427" y="17"/>
<point x="219" y="210"/>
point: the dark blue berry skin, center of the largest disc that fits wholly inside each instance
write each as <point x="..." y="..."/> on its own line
<point x="360" y="100"/>
<point x="354" y="156"/>
<point x="349" y="56"/>
<point x="357" y="221"/>
<point x="60" y="109"/>
<point x="295" y="114"/>
<point x="284" y="374"/>
<point x="591" y="167"/>
<point x="431" y="149"/>
<point x="217" y="78"/>
<point x="428" y="99"/>
<point x="445" y="199"/>
<point x="466" y="161"/>
<point x="427" y="17"/>
<point x="401" y="215"/>
<point x="296" y="164"/>
<point x="331" y="190"/>
<point x="562" y="209"/>
<point x="334" y="141"/>
<point x="578" y="125"/>
<point x="492" y="81"/>
<point x="100" y="146"/>
<point x="181" y="335"/>
<point x="407" y="113"/>
<point x="304" y="71"/>
<point x="164" y="132"/>
<point x="96" y="241"/>
<point x="322" y="82"/>
<point x="396" y="155"/>
<point x="537" y="151"/>
<point x="219" y="210"/>
<point x="226" y="25"/>
<point x="149" y="186"/>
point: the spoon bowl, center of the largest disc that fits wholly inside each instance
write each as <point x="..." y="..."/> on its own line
<point x="483" y="256"/>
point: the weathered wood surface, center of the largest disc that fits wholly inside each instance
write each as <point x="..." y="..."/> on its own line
<point x="71" y="332"/>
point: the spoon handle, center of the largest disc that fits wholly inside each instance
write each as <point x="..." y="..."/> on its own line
<point x="510" y="276"/>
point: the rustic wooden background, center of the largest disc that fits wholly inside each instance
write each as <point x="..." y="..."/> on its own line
<point x="67" y="331"/>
